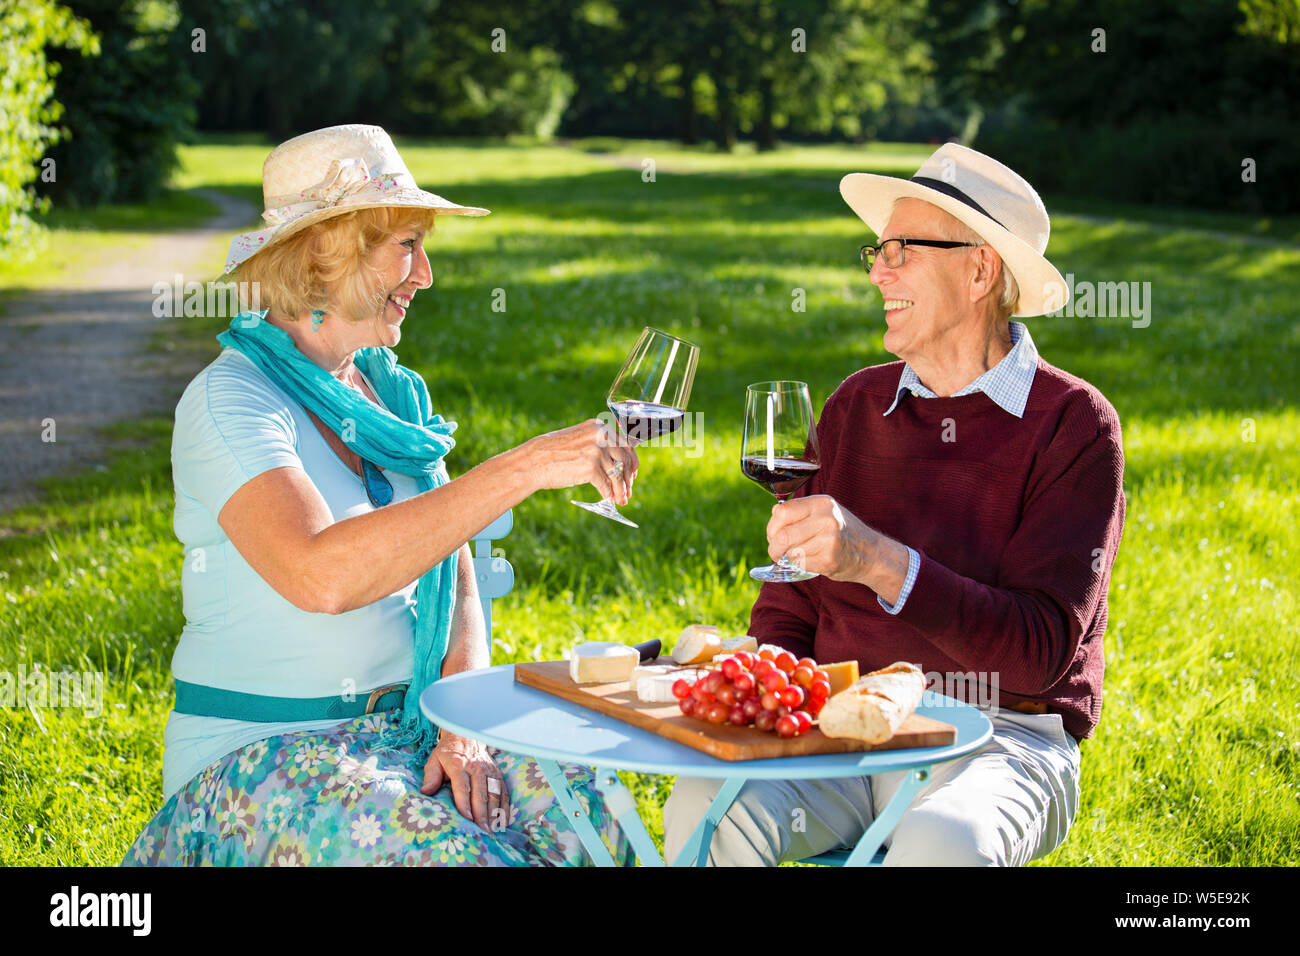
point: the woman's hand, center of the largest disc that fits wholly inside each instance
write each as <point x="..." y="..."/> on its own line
<point x="477" y="786"/>
<point x="584" y="453"/>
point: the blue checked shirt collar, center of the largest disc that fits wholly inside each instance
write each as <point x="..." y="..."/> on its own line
<point x="1006" y="384"/>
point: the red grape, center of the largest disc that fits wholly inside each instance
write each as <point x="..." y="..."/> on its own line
<point x="804" y="719"/>
<point x="701" y="695"/>
<point x="730" y="668"/>
<point x="787" y="726"/>
<point x="775" y="680"/>
<point x="687" y="704"/>
<point x="746" y="659"/>
<point x="765" y="720"/>
<point x="745" y="684"/>
<point x="792" y="696"/>
<point x="763" y="668"/>
<point x="713" y="680"/>
<point x="737" y="716"/>
<point x="803" y="676"/>
<point x="819" y="690"/>
<point x="815" y="706"/>
<point x="808" y="662"/>
<point x="717" y="713"/>
<point x="819" y="674"/>
<point x="767" y="654"/>
<point x="786" y="661"/>
<point x="726" y="694"/>
<point x="782" y="710"/>
<point x="752" y="707"/>
<point x="681" y="688"/>
<point x="770" y="701"/>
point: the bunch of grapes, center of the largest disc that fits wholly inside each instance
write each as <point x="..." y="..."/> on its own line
<point x="771" y="691"/>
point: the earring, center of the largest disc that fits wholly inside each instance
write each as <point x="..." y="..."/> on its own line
<point x="316" y="317"/>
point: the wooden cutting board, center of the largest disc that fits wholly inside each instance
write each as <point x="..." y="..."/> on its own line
<point x="725" y="741"/>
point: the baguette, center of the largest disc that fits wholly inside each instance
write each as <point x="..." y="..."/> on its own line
<point x="697" y="645"/>
<point x="874" y="707"/>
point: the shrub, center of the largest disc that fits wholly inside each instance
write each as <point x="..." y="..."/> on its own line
<point x="26" y="88"/>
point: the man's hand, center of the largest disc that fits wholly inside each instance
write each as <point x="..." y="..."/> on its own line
<point x="820" y="536"/>
<point x="476" y="784"/>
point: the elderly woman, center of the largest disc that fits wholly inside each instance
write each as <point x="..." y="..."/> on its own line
<point x="327" y="578"/>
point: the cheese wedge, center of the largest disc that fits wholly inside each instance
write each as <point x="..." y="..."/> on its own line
<point x="843" y="675"/>
<point x="598" y="662"/>
<point x="653" y="683"/>
<point x="697" y="644"/>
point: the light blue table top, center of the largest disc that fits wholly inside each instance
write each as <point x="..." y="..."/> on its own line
<point x="488" y="705"/>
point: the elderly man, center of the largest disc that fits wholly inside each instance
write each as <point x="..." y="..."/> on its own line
<point x="966" y="516"/>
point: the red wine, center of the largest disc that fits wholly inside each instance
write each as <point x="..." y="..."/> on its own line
<point x="642" y="421"/>
<point x="784" y="478"/>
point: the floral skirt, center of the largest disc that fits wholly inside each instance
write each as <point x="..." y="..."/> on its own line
<point x="325" y="799"/>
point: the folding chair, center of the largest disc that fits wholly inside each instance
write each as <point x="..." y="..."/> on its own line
<point x="495" y="575"/>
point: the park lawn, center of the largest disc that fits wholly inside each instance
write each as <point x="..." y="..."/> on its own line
<point x="1196" y="757"/>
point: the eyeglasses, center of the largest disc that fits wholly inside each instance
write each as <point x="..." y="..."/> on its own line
<point x="378" y="488"/>
<point x="893" y="251"/>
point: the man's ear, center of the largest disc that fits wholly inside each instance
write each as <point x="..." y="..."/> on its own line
<point x="988" y="267"/>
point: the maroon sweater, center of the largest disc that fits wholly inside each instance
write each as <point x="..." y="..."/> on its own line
<point x="1017" y="521"/>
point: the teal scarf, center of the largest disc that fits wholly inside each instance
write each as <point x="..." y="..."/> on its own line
<point x="411" y="441"/>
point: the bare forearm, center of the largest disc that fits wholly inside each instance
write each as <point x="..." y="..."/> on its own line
<point x="362" y="559"/>
<point x="467" y="645"/>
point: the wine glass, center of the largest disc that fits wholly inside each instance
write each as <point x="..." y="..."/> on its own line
<point x="649" y="396"/>
<point x="779" y="451"/>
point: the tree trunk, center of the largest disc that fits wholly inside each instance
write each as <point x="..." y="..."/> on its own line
<point x="688" y="132"/>
<point x="726" y="133"/>
<point x="765" y="132"/>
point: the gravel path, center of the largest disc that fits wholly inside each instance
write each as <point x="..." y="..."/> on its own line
<point x="80" y="355"/>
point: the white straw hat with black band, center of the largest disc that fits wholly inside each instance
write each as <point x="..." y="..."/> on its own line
<point x="995" y="201"/>
<point x="328" y="172"/>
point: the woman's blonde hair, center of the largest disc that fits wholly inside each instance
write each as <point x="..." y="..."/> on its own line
<point x="291" y="276"/>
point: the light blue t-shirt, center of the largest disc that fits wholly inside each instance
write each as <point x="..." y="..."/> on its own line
<point x="232" y="424"/>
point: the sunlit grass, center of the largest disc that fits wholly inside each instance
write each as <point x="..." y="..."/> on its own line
<point x="1195" y="759"/>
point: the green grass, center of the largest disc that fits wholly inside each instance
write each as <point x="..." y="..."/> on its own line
<point x="1196" y="757"/>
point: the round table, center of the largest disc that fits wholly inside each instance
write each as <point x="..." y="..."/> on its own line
<point x="488" y="705"/>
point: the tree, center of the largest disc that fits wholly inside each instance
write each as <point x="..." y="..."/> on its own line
<point x="127" y="110"/>
<point x="26" y="88"/>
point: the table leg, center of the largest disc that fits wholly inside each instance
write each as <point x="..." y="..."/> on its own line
<point x="884" y="823"/>
<point x="697" y="845"/>
<point x="622" y="804"/>
<point x="559" y="783"/>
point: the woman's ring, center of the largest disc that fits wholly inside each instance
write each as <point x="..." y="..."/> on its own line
<point x="494" y="785"/>
<point x="616" y="470"/>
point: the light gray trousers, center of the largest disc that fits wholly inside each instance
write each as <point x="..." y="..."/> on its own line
<point x="1008" y="803"/>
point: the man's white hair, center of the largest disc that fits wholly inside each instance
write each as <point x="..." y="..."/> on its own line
<point x="1008" y="292"/>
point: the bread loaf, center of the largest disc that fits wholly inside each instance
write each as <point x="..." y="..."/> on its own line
<point x="697" y="645"/>
<point x="874" y="707"/>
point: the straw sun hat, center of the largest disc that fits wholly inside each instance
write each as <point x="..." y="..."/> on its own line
<point x="329" y="172"/>
<point x="990" y="198"/>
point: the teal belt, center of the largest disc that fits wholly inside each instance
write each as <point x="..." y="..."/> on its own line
<point x="206" y="701"/>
